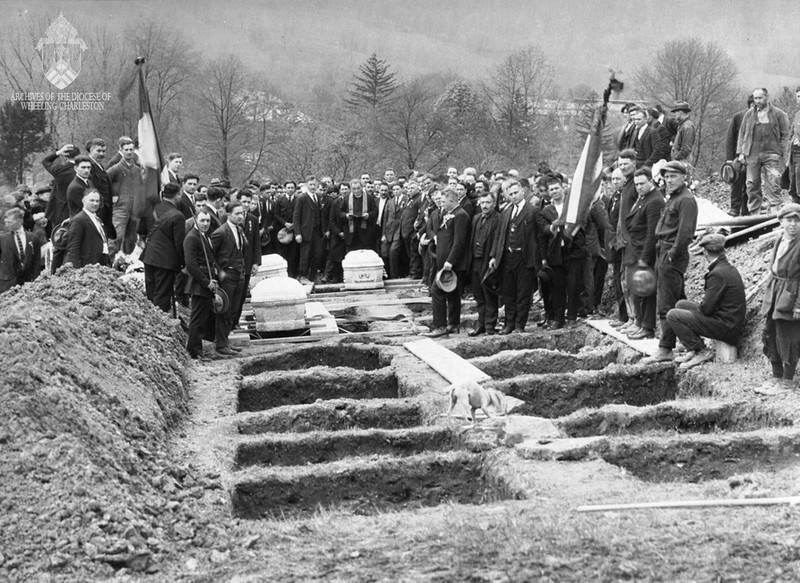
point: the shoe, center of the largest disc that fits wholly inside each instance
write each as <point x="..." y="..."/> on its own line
<point x="642" y="334"/>
<point x="236" y="349"/>
<point x="506" y="331"/>
<point x="661" y="355"/>
<point x="557" y="326"/>
<point x="519" y="330"/>
<point x="618" y="324"/>
<point x="454" y="329"/>
<point x="699" y="357"/>
<point x="437" y="333"/>
<point x="628" y="328"/>
<point x="491" y="331"/>
<point x="226" y="351"/>
<point x="572" y="323"/>
<point x="733" y="213"/>
<point x="476" y="332"/>
<point x="774" y="387"/>
<point x="684" y="356"/>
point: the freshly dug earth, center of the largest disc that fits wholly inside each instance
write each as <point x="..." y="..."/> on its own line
<point x="92" y="378"/>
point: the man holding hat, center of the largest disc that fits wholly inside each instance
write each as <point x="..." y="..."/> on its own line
<point x="201" y="283"/>
<point x="736" y="178"/>
<point x="452" y="237"/>
<point x="674" y="231"/>
<point x="683" y="142"/>
<point x="721" y="313"/>
<point x="781" y="304"/>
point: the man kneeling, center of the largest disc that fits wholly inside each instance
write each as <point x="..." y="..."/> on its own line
<point x="719" y="316"/>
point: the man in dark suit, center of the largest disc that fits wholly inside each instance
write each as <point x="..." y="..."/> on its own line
<point x="186" y="201"/>
<point x="171" y="172"/>
<point x="452" y="241"/>
<point x="228" y="242"/>
<point x="87" y="240"/>
<point x="485" y="281"/>
<point x="355" y="212"/>
<point x="408" y="228"/>
<point x="284" y="218"/>
<point x="96" y="149"/>
<point x="640" y="251"/>
<point x="664" y="149"/>
<point x="20" y="252"/>
<point x="163" y="252"/>
<point x="307" y="226"/>
<point x="77" y="188"/>
<point x="646" y="142"/>
<point x="201" y="283"/>
<point x="391" y="244"/>
<point x="252" y="245"/>
<point x="739" y="186"/>
<point x="61" y="166"/>
<point x="514" y="253"/>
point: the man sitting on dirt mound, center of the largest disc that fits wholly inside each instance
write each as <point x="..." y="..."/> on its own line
<point x="719" y="316"/>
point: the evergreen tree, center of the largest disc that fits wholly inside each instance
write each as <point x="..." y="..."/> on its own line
<point x="22" y="133"/>
<point x="373" y="85"/>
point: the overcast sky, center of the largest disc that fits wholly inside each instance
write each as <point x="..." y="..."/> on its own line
<point x="582" y="38"/>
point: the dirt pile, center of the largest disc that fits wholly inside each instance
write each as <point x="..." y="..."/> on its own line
<point x="91" y="380"/>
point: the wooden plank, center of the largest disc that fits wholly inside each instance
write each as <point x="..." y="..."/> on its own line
<point x="755" y="228"/>
<point x="648" y="347"/>
<point x="445" y="362"/>
<point x="301" y="339"/>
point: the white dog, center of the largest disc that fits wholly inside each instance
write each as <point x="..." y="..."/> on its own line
<point x="476" y="397"/>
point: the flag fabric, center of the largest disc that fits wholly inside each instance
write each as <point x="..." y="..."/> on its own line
<point x="586" y="180"/>
<point x="149" y="150"/>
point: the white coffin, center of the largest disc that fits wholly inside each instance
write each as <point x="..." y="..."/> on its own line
<point x="363" y="269"/>
<point x="272" y="265"/>
<point x="279" y="303"/>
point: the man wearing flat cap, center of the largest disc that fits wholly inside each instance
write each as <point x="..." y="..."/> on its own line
<point x="683" y="142"/>
<point x="721" y="313"/>
<point x="674" y="233"/>
<point x="781" y="305"/>
<point x="762" y="146"/>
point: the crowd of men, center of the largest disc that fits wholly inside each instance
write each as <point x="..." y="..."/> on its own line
<point x="496" y="235"/>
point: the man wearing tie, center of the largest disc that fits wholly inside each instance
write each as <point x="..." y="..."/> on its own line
<point x="228" y="242"/>
<point x="186" y="202"/>
<point x="87" y="240"/>
<point x="514" y="253"/>
<point x="20" y="252"/>
<point x="484" y="281"/>
<point x="307" y="223"/>
<point x="201" y="284"/>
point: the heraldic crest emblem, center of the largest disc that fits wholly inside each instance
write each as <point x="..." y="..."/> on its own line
<point x="61" y="51"/>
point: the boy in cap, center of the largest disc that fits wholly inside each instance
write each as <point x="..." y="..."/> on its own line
<point x="782" y="305"/>
<point x="721" y="313"/>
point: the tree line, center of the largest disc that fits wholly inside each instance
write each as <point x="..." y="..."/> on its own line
<point x="231" y="121"/>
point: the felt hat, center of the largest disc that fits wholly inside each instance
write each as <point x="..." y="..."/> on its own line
<point x="447" y="280"/>
<point x="681" y="106"/>
<point x="713" y="242"/>
<point x="642" y="281"/>
<point x="545" y="274"/>
<point x="674" y="166"/>
<point x="729" y="172"/>
<point x="285" y="236"/>
<point x="221" y="301"/>
<point x="791" y="209"/>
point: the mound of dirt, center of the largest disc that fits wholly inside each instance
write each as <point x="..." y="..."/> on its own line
<point x="91" y="381"/>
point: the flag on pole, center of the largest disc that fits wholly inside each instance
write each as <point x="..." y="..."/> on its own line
<point x="149" y="152"/>
<point x="586" y="180"/>
<point x="149" y="148"/>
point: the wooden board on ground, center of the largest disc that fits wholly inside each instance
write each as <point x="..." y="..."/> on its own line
<point x="320" y="320"/>
<point x="648" y="347"/>
<point x="709" y="214"/>
<point x="301" y="339"/>
<point x="445" y="362"/>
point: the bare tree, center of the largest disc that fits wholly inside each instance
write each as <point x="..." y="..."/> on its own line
<point x="516" y="91"/>
<point x="705" y="76"/>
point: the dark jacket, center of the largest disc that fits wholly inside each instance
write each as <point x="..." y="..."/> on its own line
<point x="484" y="240"/>
<point x="390" y="227"/>
<point x="409" y="215"/>
<point x="252" y="245"/>
<point x="732" y="137"/>
<point x="724" y="298"/>
<point x="596" y="227"/>
<point x="75" y="192"/>
<point x="230" y="259"/>
<point x="528" y="224"/>
<point x="641" y="223"/>
<point x="198" y="263"/>
<point x="452" y="239"/>
<point x="84" y="242"/>
<point x="779" y="123"/>
<point x="684" y="141"/>
<point x="675" y="229"/>
<point x="664" y="148"/>
<point x="164" y="246"/>
<point x="186" y="206"/>
<point x="284" y="210"/>
<point x="307" y="216"/>
<point x="63" y="171"/>
<point x="648" y="147"/>
<point x="12" y="270"/>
